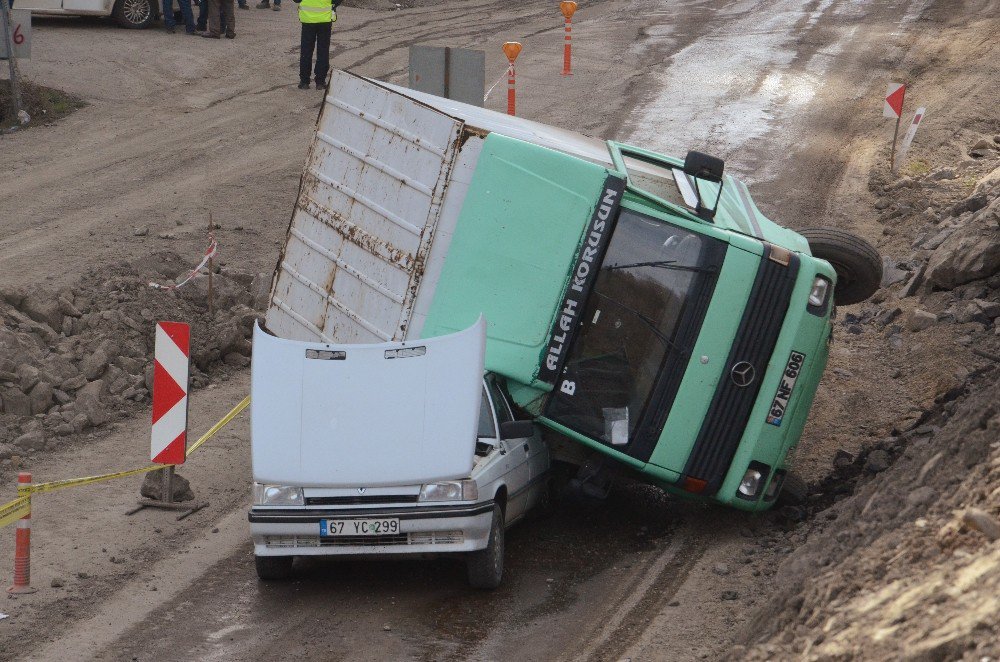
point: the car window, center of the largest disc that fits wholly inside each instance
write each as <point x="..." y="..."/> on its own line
<point x="500" y="402"/>
<point x="487" y="428"/>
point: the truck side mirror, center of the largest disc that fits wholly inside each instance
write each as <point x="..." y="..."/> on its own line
<point x="708" y="168"/>
<point x="516" y="429"/>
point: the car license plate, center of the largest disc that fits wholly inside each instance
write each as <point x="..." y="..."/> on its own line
<point x="780" y="403"/>
<point x="359" y="527"/>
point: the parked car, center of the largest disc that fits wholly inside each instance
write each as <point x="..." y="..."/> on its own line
<point x="641" y="307"/>
<point x="387" y="449"/>
<point x="134" y="14"/>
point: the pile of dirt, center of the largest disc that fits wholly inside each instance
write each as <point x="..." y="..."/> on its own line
<point x="901" y="546"/>
<point x="75" y="360"/>
<point x="43" y="105"/>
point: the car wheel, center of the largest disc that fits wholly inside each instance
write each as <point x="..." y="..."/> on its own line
<point x="485" y="566"/>
<point x="273" y="568"/>
<point x="857" y="263"/>
<point x="134" y="14"/>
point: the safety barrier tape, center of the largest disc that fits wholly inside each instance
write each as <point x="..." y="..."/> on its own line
<point x="18" y="508"/>
<point x="210" y="252"/>
<point x="490" y="91"/>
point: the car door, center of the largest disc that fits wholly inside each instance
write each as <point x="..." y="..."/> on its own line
<point x="518" y="454"/>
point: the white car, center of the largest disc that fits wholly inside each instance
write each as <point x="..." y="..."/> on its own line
<point x="388" y="449"/>
<point x="135" y="14"/>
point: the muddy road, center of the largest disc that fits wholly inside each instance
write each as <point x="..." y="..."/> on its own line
<point x="786" y="90"/>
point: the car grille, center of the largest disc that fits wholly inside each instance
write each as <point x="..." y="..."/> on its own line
<point x="415" y="538"/>
<point x="366" y="499"/>
<point x="727" y="416"/>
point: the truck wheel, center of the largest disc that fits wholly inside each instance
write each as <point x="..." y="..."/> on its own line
<point x="794" y="490"/>
<point x="485" y="566"/>
<point x="273" y="568"/>
<point x="857" y="263"/>
<point x="134" y="14"/>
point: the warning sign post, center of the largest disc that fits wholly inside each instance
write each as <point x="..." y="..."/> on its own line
<point x="893" y="108"/>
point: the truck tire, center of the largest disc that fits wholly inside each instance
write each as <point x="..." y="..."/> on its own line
<point x="485" y="566"/>
<point x="273" y="568"/>
<point x="857" y="263"/>
<point x="134" y="14"/>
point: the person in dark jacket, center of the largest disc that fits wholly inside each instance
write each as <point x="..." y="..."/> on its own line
<point x="317" y="18"/>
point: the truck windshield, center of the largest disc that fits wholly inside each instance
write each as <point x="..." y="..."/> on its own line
<point x="630" y="331"/>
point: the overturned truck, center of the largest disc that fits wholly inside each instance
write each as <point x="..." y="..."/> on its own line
<point x="640" y="307"/>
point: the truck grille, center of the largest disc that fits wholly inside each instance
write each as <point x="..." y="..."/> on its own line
<point x="366" y="499"/>
<point x="415" y="538"/>
<point x="729" y="412"/>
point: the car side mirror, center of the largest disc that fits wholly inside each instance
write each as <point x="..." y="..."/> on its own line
<point x="707" y="168"/>
<point x="516" y="429"/>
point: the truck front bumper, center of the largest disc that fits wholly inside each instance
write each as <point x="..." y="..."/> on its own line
<point x="431" y="529"/>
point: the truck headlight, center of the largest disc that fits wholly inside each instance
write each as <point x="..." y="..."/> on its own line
<point x="450" y="490"/>
<point x="277" y="495"/>
<point x="820" y="288"/>
<point x="752" y="481"/>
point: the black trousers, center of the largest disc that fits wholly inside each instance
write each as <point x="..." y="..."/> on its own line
<point x="315" y="36"/>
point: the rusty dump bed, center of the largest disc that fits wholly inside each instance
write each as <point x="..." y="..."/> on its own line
<point x="369" y="204"/>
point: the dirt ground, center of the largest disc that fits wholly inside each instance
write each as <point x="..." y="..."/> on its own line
<point x="787" y="91"/>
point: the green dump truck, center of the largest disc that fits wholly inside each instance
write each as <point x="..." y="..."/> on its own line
<point x="640" y="307"/>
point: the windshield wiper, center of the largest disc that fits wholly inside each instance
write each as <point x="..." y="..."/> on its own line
<point x="662" y="337"/>
<point x="662" y="264"/>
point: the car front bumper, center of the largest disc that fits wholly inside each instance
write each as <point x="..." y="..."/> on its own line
<point x="430" y="529"/>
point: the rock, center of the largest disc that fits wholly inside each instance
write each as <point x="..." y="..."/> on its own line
<point x="94" y="364"/>
<point x="888" y="316"/>
<point x="6" y="451"/>
<point x="152" y="487"/>
<point x="943" y="173"/>
<point x="991" y="309"/>
<point x="61" y="397"/>
<point x="67" y="308"/>
<point x="720" y="569"/>
<point x="938" y="239"/>
<point x="980" y="153"/>
<point x="918" y="279"/>
<point x="928" y="467"/>
<point x="74" y="383"/>
<point x="891" y="274"/>
<point x="16" y="403"/>
<point x="80" y="423"/>
<point x="43" y="308"/>
<point x="730" y="595"/>
<point x="878" y="461"/>
<point x="883" y="203"/>
<point x="260" y="291"/>
<point x="31" y="440"/>
<point x="918" y="320"/>
<point x="970" y="204"/>
<point x="141" y="231"/>
<point x="88" y="403"/>
<point x="236" y="359"/>
<point x="27" y="376"/>
<point x="983" y="144"/>
<point x="981" y="521"/>
<point x="971" y="312"/>
<point x="842" y="459"/>
<point x="57" y="582"/>
<point x="921" y="496"/>
<point x="64" y="429"/>
<point x="41" y="398"/>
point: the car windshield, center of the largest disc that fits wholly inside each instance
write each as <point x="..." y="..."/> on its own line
<point x="629" y="327"/>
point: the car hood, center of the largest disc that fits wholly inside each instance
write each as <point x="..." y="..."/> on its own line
<point x="327" y="415"/>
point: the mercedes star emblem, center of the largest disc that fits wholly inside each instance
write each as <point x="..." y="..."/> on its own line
<point x="361" y="490"/>
<point x="743" y="374"/>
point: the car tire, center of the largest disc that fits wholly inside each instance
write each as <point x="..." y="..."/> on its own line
<point x="135" y="14"/>
<point x="857" y="263"/>
<point x="794" y="490"/>
<point x="273" y="568"/>
<point x="485" y="566"/>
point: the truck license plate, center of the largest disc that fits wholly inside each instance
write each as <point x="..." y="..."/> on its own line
<point x="780" y="403"/>
<point x="358" y="527"/>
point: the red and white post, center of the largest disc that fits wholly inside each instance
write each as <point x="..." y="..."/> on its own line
<point x="22" y="545"/>
<point x="171" y="360"/>
<point x="568" y="7"/>
<point x="511" y="49"/>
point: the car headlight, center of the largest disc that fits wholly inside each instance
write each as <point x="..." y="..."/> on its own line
<point x="820" y="288"/>
<point x="277" y="495"/>
<point x="450" y="490"/>
<point x="753" y="480"/>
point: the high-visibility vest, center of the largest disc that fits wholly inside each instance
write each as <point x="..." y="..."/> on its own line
<point x="316" y="11"/>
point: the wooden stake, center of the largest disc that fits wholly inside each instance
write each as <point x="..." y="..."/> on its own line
<point x="895" y="135"/>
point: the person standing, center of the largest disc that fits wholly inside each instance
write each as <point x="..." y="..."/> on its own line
<point x="221" y="16"/>
<point x="317" y="17"/>
<point x="186" y="13"/>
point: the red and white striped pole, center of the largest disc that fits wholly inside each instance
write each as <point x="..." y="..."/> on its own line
<point x="22" y="545"/>
<point x="567" y="7"/>
<point x="511" y="49"/>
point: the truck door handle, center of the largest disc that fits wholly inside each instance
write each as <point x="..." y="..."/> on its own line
<point x="527" y="449"/>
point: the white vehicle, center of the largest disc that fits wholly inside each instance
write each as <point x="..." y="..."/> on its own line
<point x="387" y="449"/>
<point x="134" y="14"/>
